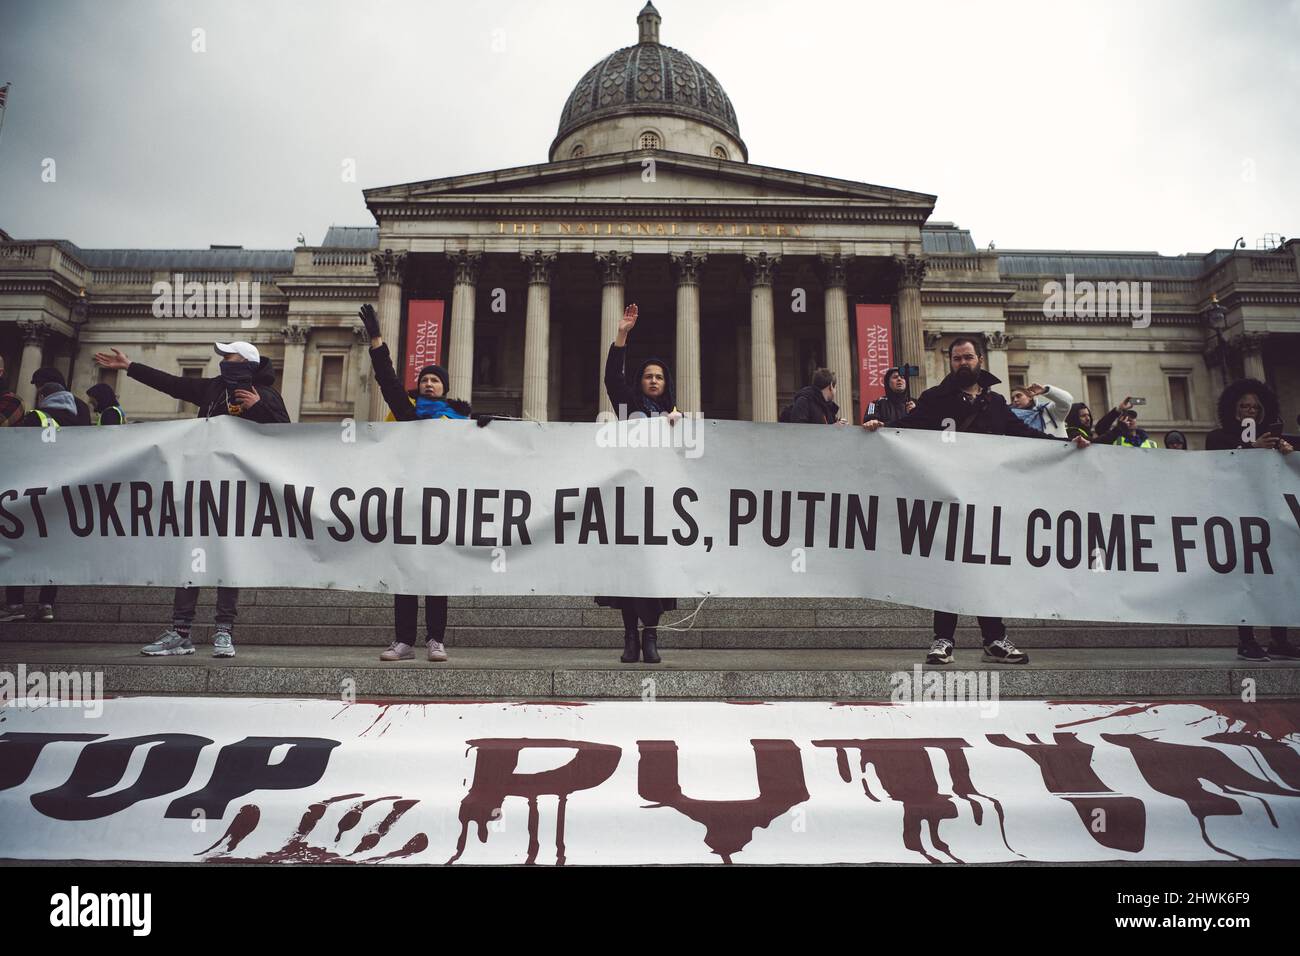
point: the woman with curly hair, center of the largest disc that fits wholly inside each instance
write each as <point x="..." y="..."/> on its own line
<point x="1249" y="418"/>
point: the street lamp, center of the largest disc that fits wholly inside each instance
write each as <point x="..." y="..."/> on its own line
<point x="79" y="315"/>
<point x="1216" y="316"/>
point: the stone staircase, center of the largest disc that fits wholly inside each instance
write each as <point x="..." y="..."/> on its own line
<point x="303" y="643"/>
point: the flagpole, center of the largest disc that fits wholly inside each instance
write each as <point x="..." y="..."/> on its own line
<point x="4" y="109"/>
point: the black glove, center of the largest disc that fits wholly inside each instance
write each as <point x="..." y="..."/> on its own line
<point x="369" y="320"/>
<point x="483" y="421"/>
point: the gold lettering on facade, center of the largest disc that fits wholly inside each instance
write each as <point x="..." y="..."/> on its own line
<point x="566" y="229"/>
<point x="642" y="229"/>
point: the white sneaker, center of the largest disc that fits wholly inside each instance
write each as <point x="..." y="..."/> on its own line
<point x="397" y="651"/>
<point x="436" y="651"/>
<point x="223" y="645"/>
<point x="14" y="612"/>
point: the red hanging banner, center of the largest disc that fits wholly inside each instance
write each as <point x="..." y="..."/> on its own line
<point x="875" y="352"/>
<point x="423" y="337"/>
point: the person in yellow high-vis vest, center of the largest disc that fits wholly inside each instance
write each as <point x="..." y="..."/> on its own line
<point x="56" y="408"/>
<point x="108" y="409"/>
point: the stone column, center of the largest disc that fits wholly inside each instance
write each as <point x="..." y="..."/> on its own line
<point x="295" y="348"/>
<point x="35" y="335"/>
<point x="537" y="334"/>
<point x="911" y="272"/>
<point x="839" y="354"/>
<point x="762" y="336"/>
<point x="464" y="296"/>
<point x="1252" y="354"/>
<point x="390" y="267"/>
<point x="995" y="358"/>
<point x="687" y="268"/>
<point x="360" y="365"/>
<point x="613" y="265"/>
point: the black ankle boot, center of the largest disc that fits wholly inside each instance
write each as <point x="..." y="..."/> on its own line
<point x="631" y="647"/>
<point x="649" y="646"/>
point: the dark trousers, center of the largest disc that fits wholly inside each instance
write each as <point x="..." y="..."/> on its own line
<point x="640" y="611"/>
<point x="15" y="594"/>
<point x="991" y="628"/>
<point x="187" y="600"/>
<point x="406" y="608"/>
<point x="1246" y="635"/>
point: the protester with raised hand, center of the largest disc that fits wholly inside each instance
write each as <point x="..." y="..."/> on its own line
<point x="429" y="402"/>
<point x="246" y="389"/>
<point x="1128" y="435"/>
<point x="1047" y="416"/>
<point x="965" y="402"/>
<point x="647" y="392"/>
<point x="1249" y="418"/>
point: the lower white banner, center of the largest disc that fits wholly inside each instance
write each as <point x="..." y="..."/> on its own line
<point x="299" y="781"/>
<point x="966" y="523"/>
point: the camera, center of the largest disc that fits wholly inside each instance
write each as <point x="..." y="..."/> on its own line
<point x="908" y="371"/>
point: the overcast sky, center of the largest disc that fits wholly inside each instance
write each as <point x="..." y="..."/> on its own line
<point x="1171" y="125"/>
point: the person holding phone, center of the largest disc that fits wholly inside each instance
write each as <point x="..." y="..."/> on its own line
<point x="1249" y="418"/>
<point x="648" y="393"/>
<point x="895" y="403"/>
<point x="245" y="387"/>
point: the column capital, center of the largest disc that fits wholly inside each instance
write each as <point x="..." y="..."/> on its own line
<point x="687" y="266"/>
<point x="389" y="266"/>
<point x="467" y="265"/>
<point x="834" y="270"/>
<point x="295" y="334"/>
<point x="995" y="340"/>
<point x="541" y="266"/>
<point x="761" y="268"/>
<point x="911" y="271"/>
<point x="35" y="332"/>
<point x="934" y="338"/>
<point x="361" y="335"/>
<point x="613" y="265"/>
<point x="1251" y="343"/>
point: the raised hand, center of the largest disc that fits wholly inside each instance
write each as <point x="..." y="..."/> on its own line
<point x="628" y="322"/>
<point x="370" y="321"/>
<point x="113" y="359"/>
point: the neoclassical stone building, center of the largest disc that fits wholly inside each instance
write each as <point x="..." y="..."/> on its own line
<point x="746" y="277"/>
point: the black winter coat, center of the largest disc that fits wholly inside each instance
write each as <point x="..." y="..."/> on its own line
<point x="811" y="408"/>
<point x="209" y="394"/>
<point x="401" y="402"/>
<point x="991" y="413"/>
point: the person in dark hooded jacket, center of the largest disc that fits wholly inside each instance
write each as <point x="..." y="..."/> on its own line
<point x="1249" y="418"/>
<point x="108" y="409"/>
<point x="55" y="407"/>
<point x="1176" y="441"/>
<point x="46" y="375"/>
<point x="236" y="391"/>
<point x="1079" y="424"/>
<point x="429" y="402"/>
<point x="259" y="403"/>
<point x="649" y="393"/>
<point x="890" y="408"/>
<point x="965" y="401"/>
<point x="815" y="404"/>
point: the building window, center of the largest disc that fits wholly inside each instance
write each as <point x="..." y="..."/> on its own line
<point x="193" y="372"/>
<point x="331" y="379"/>
<point x="650" y="140"/>
<point x="578" y="152"/>
<point x="1017" y="376"/>
<point x="1180" y="398"/>
<point x="720" y="152"/>
<point x="485" y="363"/>
<point x="1098" y="394"/>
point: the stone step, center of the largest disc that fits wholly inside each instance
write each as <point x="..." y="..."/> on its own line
<point x="302" y="632"/>
<point x="573" y="674"/>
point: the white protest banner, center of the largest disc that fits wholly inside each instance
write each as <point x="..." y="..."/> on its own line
<point x="965" y="523"/>
<point x="314" y="781"/>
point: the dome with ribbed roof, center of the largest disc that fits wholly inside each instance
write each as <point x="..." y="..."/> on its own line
<point x="649" y="80"/>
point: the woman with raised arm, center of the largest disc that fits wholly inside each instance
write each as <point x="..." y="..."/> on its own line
<point x="647" y="392"/>
<point x="428" y="402"/>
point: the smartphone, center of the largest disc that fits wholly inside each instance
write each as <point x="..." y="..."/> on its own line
<point x="1137" y="401"/>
